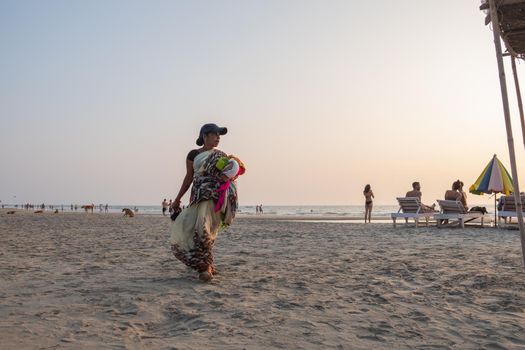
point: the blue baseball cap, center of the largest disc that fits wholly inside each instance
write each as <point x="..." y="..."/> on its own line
<point x="210" y="128"/>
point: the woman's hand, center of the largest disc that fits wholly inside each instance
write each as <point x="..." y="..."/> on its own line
<point x="186" y="183"/>
<point x="176" y="204"/>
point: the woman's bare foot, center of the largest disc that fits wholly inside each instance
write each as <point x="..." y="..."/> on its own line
<point x="205" y="276"/>
<point x="208" y="274"/>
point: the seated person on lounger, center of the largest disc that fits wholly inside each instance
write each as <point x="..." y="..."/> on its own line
<point x="463" y="195"/>
<point x="455" y="195"/>
<point x="416" y="192"/>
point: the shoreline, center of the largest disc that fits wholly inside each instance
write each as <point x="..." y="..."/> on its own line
<point x="307" y="217"/>
<point x="335" y="218"/>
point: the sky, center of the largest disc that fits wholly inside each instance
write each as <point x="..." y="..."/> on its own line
<point x="100" y="101"/>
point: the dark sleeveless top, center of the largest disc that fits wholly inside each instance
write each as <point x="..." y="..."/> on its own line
<point x="193" y="153"/>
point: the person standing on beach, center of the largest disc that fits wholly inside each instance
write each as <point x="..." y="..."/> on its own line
<point x="213" y="202"/>
<point x="164" y="207"/>
<point x="368" y="202"/>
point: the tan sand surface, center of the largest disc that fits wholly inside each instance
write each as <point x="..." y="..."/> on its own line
<point x="95" y="281"/>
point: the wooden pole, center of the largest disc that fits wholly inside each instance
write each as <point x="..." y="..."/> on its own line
<point x="518" y="96"/>
<point x="495" y="211"/>
<point x="508" y="124"/>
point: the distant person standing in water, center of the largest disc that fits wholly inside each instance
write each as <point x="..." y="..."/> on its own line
<point x="369" y="203"/>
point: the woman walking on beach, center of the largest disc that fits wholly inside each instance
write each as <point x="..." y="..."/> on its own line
<point x="368" y="202"/>
<point x="213" y="201"/>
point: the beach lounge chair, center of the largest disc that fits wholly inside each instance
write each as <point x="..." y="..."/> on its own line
<point x="455" y="211"/>
<point x="410" y="208"/>
<point x="508" y="210"/>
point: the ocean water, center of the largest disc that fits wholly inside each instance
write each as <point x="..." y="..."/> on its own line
<point x="335" y="211"/>
<point x="330" y="211"/>
<point x="343" y="211"/>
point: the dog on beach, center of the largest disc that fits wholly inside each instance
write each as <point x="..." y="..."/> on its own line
<point x="88" y="207"/>
<point x="11" y="212"/>
<point x="128" y="212"/>
<point x="482" y="210"/>
<point x="39" y="211"/>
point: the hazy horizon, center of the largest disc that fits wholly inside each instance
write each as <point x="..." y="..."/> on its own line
<point x="101" y="101"/>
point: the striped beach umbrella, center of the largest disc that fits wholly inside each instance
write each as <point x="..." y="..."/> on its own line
<point x="494" y="179"/>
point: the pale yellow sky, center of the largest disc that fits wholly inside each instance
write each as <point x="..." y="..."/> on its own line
<point x="320" y="98"/>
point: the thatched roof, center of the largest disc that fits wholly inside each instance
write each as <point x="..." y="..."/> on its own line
<point x="511" y="14"/>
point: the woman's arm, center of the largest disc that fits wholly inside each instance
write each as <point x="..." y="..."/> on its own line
<point x="463" y="199"/>
<point x="186" y="183"/>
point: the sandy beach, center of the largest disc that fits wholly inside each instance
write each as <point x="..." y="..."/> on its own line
<point x="71" y="281"/>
